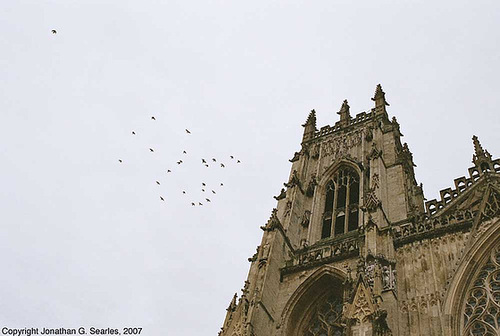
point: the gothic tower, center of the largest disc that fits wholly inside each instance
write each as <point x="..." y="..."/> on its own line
<point x="353" y="249"/>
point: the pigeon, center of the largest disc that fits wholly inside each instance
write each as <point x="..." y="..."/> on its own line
<point x="157" y="182"/>
<point x="238" y="161"/>
<point x="232" y="157"/>
<point x="199" y="203"/>
<point x="153" y="118"/>
<point x="119" y="160"/>
<point x="207" y="199"/>
<point x="162" y="198"/>
<point x="54" y="31"/>
<point x="184" y="152"/>
<point x="222" y="165"/>
<point x="203" y="161"/>
<point x="151" y="149"/>
<point x="203" y="190"/>
<point x="193" y="204"/>
<point x="187" y="131"/>
<point x="213" y="191"/>
<point x="169" y="171"/>
<point x="214" y="160"/>
<point x="133" y="132"/>
<point x="203" y="184"/>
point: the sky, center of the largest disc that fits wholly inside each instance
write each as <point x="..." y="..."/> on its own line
<point x="86" y="241"/>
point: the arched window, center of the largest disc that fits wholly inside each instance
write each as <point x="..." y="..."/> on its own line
<point x="341" y="203"/>
<point x="482" y="306"/>
<point x="326" y="318"/>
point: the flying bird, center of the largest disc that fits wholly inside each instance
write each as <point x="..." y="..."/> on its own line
<point x="222" y="165"/>
<point x="162" y="198"/>
<point x="169" y="171"/>
<point x="187" y="131"/>
<point x="153" y="118"/>
<point x="206" y="165"/>
<point x="203" y="190"/>
<point x="232" y="157"/>
<point x="157" y="182"/>
<point x="184" y="152"/>
<point x="238" y="161"/>
<point x="199" y="203"/>
<point x="54" y="31"/>
<point x="213" y="191"/>
<point x="183" y="192"/>
<point x="179" y="162"/>
<point x="222" y="184"/>
<point x="193" y="204"/>
<point x="208" y="200"/>
<point x="203" y="184"/>
<point x="120" y="160"/>
<point x="203" y="161"/>
<point x="214" y="160"/>
<point x="151" y="149"/>
<point x="133" y="132"/>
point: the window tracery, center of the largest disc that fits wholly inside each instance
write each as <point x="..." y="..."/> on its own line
<point x="482" y="307"/>
<point x="326" y="318"/>
<point x="341" y="212"/>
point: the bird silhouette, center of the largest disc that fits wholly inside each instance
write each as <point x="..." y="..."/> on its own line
<point x="120" y="160"/>
<point x="133" y="132"/>
<point x="206" y="165"/>
<point x="238" y="161"/>
<point x="153" y="118"/>
<point x="199" y="203"/>
<point x="214" y="160"/>
<point x="232" y="157"/>
<point x="207" y="199"/>
<point x="151" y="149"/>
<point x="184" y="152"/>
<point x="203" y="184"/>
<point x="179" y="162"/>
<point x="54" y="31"/>
<point x="203" y="190"/>
<point x="222" y="184"/>
<point x="203" y="161"/>
<point x="183" y="192"/>
<point x="162" y="198"/>
<point x="193" y="204"/>
<point x="157" y="182"/>
<point x="213" y="192"/>
<point x="222" y="165"/>
<point x="169" y="171"/>
<point x="187" y="131"/>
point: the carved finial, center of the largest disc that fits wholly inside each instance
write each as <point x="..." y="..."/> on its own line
<point x="309" y="126"/>
<point x="311" y="119"/>
<point x="232" y="304"/>
<point x="481" y="157"/>
<point x="345" y="116"/>
<point x="379" y="99"/>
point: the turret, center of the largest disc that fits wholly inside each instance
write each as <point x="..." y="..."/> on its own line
<point x="380" y="102"/>
<point x="309" y="126"/>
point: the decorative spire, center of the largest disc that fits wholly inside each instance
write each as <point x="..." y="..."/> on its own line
<point x="379" y="99"/>
<point x="309" y="126"/>
<point x="345" y="116"/>
<point x="232" y="305"/>
<point x="481" y="157"/>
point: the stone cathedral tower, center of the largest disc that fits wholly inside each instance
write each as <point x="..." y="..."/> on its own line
<point x="353" y="248"/>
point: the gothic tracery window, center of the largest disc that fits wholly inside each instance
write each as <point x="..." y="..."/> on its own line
<point x="482" y="306"/>
<point x="326" y="318"/>
<point x="341" y="203"/>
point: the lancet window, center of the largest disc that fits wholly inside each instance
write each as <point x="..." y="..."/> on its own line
<point x="482" y="305"/>
<point x="341" y="203"/>
<point x="326" y="318"/>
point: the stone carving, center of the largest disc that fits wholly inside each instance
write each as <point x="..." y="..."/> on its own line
<point x="311" y="186"/>
<point x="281" y="195"/>
<point x="375" y="152"/>
<point x="371" y="201"/>
<point x="315" y="152"/>
<point x="306" y="219"/>
<point x="294" y="182"/>
<point x="272" y="221"/>
<point x="337" y="146"/>
<point x="296" y="157"/>
<point x="375" y="181"/>
<point x="288" y="209"/>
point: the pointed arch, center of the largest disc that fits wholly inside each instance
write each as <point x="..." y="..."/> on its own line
<point x="474" y="258"/>
<point x="326" y="279"/>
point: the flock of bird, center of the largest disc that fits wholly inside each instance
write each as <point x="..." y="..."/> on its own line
<point x="203" y="161"/>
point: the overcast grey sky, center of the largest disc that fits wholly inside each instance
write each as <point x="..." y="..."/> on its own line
<point x="85" y="240"/>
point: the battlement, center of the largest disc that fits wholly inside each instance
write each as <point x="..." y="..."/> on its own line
<point x="358" y="119"/>
<point x="461" y="185"/>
